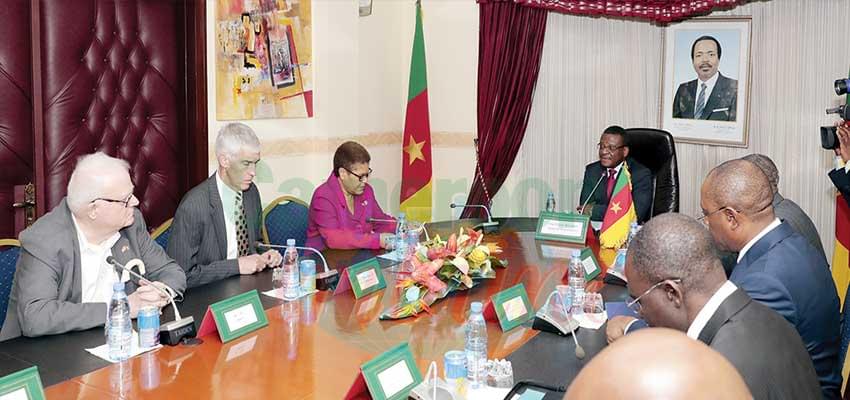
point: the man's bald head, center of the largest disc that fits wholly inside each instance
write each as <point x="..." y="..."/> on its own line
<point x="658" y="363"/>
<point x="739" y="184"/>
<point x="768" y="167"/>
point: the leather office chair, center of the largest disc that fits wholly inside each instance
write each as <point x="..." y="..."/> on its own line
<point x="161" y="234"/>
<point x="285" y="218"/>
<point x="656" y="150"/>
<point x="9" y="251"/>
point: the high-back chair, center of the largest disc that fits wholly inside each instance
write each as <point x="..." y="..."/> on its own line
<point x="285" y="218"/>
<point x="161" y="234"/>
<point x="9" y="251"/>
<point x="656" y="150"/>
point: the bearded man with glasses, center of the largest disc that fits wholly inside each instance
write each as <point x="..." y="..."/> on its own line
<point x="62" y="281"/>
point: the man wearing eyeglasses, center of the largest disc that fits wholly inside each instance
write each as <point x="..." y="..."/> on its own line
<point x="677" y="281"/>
<point x="776" y="266"/>
<point x="62" y="281"/>
<point x="601" y="176"/>
<point x="343" y="211"/>
<point x="217" y="224"/>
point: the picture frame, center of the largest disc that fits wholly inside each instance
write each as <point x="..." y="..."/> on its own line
<point x="714" y="51"/>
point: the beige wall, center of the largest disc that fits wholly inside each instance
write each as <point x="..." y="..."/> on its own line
<point x="361" y="78"/>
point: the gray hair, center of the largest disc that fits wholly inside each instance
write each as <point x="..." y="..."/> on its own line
<point x="91" y="174"/>
<point x="768" y="167"/>
<point x="234" y="137"/>
<point x="675" y="245"/>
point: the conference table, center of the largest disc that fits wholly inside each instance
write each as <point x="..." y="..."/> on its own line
<point x="313" y="347"/>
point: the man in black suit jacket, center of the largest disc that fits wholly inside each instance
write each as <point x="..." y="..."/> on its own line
<point x="718" y="95"/>
<point x="600" y="175"/>
<point x="677" y="282"/>
<point x="218" y="222"/>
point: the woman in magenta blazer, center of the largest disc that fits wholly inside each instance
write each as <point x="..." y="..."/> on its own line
<point x="342" y="207"/>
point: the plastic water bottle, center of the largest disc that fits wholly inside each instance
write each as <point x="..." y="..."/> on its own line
<point x="401" y="237"/>
<point x="550" y="202"/>
<point x="620" y="261"/>
<point x="291" y="281"/>
<point x="476" y="346"/>
<point x="577" y="282"/>
<point x="412" y="241"/>
<point x="119" y="332"/>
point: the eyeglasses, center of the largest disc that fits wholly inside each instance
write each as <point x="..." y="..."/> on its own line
<point x="634" y="304"/>
<point x="125" y="201"/>
<point x="360" y="177"/>
<point x="609" y="149"/>
<point x="706" y="215"/>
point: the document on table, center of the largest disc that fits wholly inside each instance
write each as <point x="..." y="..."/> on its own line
<point x="102" y="351"/>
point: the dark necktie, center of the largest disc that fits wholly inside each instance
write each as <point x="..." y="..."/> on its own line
<point x="241" y="226"/>
<point x="612" y="173"/>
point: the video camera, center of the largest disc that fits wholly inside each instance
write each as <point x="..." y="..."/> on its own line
<point x="829" y="134"/>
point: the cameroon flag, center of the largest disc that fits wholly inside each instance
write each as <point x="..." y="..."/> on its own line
<point x="416" y="143"/>
<point x="620" y="214"/>
<point x="840" y="259"/>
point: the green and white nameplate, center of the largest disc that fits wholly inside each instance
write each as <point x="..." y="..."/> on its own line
<point x="366" y="277"/>
<point x="512" y="307"/>
<point x="238" y="315"/>
<point x="392" y="375"/>
<point x="22" y="385"/>
<point x="591" y="266"/>
<point x="562" y="227"/>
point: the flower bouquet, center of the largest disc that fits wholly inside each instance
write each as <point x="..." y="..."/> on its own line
<point x="440" y="267"/>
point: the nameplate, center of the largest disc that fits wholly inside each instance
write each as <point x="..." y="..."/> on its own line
<point x="22" y="385"/>
<point x="234" y="317"/>
<point x="362" y="278"/>
<point x="512" y="307"/>
<point x="591" y="266"/>
<point x="390" y="376"/>
<point x="562" y="227"/>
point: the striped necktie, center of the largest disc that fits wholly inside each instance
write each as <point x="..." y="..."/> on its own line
<point x="700" y="102"/>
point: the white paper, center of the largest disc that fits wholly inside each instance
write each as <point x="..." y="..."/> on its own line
<point x="367" y="279"/>
<point x="278" y="294"/>
<point x="102" y="351"/>
<point x="589" y="266"/>
<point x="395" y="378"/>
<point x="240" y="317"/>
<point x="20" y="394"/>
<point x="514" y="308"/>
<point x="561" y="228"/>
<point x="241" y="348"/>
<point x="486" y="393"/>
<point x="592" y="321"/>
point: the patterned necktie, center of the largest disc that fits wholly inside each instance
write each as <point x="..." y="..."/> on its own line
<point x="700" y="102"/>
<point x="611" y="180"/>
<point x="241" y="226"/>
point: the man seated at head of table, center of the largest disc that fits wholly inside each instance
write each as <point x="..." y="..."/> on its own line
<point x="218" y="223"/>
<point x="62" y="281"/>
<point x="342" y="208"/>
<point x="658" y="363"/>
<point x="677" y="281"/>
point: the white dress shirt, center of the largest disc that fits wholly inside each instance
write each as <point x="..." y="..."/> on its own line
<point x="709" y="86"/>
<point x="776" y="222"/>
<point x="710" y="308"/>
<point x="228" y="197"/>
<point x="97" y="275"/>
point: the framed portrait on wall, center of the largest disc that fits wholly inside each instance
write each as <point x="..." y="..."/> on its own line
<point x="706" y="81"/>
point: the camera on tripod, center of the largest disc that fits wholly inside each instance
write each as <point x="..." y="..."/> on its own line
<point x="829" y="134"/>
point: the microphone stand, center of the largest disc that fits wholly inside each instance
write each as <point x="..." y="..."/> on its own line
<point x="325" y="280"/>
<point x="487" y="227"/>
<point x="590" y="196"/>
<point x="170" y="333"/>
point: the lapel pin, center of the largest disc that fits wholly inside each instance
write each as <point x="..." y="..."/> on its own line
<point x="124" y="248"/>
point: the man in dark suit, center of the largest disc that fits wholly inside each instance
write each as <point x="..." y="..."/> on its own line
<point x="840" y="176"/>
<point x="676" y="281"/>
<point x="776" y="266"/>
<point x="600" y="176"/>
<point x="718" y="95"/>
<point x="62" y="281"/>
<point x="218" y="222"/>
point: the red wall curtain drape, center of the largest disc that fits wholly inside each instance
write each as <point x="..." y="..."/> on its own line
<point x="510" y="45"/>
<point x="661" y="11"/>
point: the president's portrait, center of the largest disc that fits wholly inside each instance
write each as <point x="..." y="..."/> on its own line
<point x="706" y="74"/>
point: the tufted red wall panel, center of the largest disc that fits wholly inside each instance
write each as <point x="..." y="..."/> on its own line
<point x="112" y="81"/>
<point x="16" y="134"/>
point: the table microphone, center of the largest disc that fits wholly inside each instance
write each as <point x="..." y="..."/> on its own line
<point x="392" y="221"/>
<point x="590" y="196"/>
<point x="488" y="226"/>
<point x="170" y="333"/>
<point x="325" y="280"/>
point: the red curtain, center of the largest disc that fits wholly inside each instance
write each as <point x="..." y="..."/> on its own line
<point x="510" y="44"/>
<point x="661" y="11"/>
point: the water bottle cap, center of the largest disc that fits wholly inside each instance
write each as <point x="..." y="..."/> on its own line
<point x="576" y="253"/>
<point x="401" y="215"/>
<point x="290" y="242"/>
<point x="476" y="307"/>
<point x="118" y="287"/>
